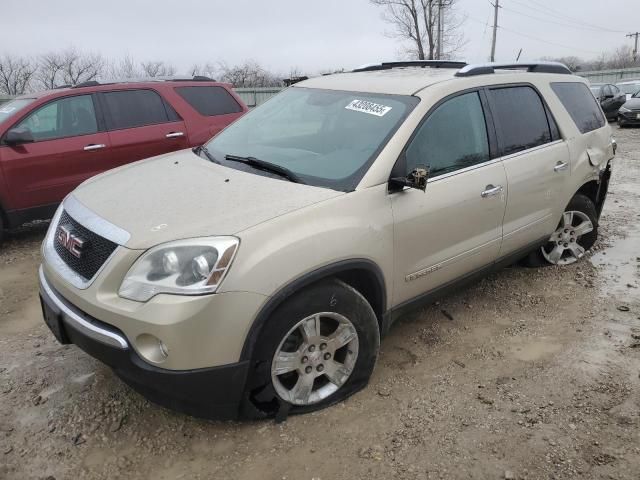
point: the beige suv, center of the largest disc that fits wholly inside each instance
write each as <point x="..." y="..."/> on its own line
<point x="256" y="274"/>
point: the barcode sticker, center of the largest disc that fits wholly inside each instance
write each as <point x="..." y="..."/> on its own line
<point x="368" y="107"/>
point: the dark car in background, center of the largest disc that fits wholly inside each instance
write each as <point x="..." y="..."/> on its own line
<point x="629" y="113"/>
<point x="52" y="141"/>
<point x="629" y="87"/>
<point x="610" y="98"/>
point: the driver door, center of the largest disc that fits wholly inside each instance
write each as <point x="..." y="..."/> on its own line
<point x="68" y="148"/>
<point x="455" y="227"/>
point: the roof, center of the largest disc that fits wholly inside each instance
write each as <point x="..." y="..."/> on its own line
<point x="408" y="78"/>
<point x="157" y="82"/>
<point x="400" y="81"/>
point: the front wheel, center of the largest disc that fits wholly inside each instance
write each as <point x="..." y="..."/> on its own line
<point x="318" y="347"/>
<point x="576" y="233"/>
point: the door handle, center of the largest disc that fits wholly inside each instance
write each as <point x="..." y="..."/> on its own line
<point x="94" y="146"/>
<point x="174" y="135"/>
<point x="560" y="166"/>
<point x="491" y="191"/>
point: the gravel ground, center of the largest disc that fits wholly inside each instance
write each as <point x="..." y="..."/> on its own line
<point x="527" y="374"/>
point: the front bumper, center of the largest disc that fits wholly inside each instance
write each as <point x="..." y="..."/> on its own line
<point x="204" y="392"/>
<point x="629" y="117"/>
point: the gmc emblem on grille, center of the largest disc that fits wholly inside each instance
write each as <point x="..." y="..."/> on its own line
<point x="69" y="240"/>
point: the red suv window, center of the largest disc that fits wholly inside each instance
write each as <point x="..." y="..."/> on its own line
<point x="209" y="101"/>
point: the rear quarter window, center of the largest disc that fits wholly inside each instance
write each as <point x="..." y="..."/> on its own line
<point x="521" y="117"/>
<point x="581" y="105"/>
<point x="209" y="101"/>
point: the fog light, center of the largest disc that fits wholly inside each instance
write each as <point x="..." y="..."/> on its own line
<point x="152" y="348"/>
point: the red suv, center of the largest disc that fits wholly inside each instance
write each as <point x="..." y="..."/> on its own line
<point x="52" y="141"/>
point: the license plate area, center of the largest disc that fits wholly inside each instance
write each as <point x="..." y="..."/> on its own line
<point x="638" y="116"/>
<point x="53" y="320"/>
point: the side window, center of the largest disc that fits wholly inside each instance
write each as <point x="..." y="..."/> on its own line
<point x="454" y="136"/>
<point x="134" y="108"/>
<point x="67" y="117"/>
<point x="209" y="101"/>
<point x="581" y="105"/>
<point x="521" y="117"/>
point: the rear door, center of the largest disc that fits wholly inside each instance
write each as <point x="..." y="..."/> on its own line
<point x="69" y="147"/>
<point x="536" y="161"/>
<point x="215" y="105"/>
<point x="455" y="226"/>
<point x="141" y="124"/>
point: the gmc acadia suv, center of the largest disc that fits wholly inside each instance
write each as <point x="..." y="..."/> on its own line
<point x="255" y="275"/>
<point x="52" y="141"/>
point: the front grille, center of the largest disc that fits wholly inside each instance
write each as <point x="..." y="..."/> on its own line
<point x="95" y="249"/>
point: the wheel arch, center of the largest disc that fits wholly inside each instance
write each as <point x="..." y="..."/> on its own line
<point x="596" y="190"/>
<point x="362" y="274"/>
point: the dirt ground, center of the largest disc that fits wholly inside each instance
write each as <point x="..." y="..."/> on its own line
<point x="535" y="375"/>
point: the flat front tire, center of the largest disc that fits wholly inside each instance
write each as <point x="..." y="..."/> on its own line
<point x="316" y="349"/>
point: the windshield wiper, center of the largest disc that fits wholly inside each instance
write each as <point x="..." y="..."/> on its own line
<point x="266" y="166"/>
<point x="203" y="149"/>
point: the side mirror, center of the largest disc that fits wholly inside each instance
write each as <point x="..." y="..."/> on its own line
<point x="17" y="136"/>
<point x="416" y="179"/>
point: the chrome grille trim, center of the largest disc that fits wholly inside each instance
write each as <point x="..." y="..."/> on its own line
<point x="98" y="225"/>
<point x="93" y="222"/>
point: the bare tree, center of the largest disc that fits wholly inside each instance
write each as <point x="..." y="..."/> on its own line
<point x="157" y="69"/>
<point x="204" y="70"/>
<point x="124" y="69"/>
<point x="16" y="74"/>
<point x="49" y="71"/>
<point x="419" y="22"/>
<point x="248" y="74"/>
<point x="78" y="67"/>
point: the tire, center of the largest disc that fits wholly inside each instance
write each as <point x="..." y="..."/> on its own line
<point x="584" y="215"/>
<point x="269" y="391"/>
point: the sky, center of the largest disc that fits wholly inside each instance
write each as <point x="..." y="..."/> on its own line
<point x="311" y="36"/>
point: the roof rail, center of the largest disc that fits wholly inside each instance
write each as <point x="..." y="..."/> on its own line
<point x="538" y="67"/>
<point x="91" y="83"/>
<point x="195" y="78"/>
<point x="412" y="63"/>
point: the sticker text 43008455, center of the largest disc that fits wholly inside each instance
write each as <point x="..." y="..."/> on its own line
<point x="368" y="107"/>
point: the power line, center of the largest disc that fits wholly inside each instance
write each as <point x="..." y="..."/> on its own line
<point x="540" y="19"/>
<point x="557" y="14"/>
<point x="536" y="38"/>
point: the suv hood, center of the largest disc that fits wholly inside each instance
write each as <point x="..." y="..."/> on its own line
<point x="181" y="195"/>
<point x="632" y="104"/>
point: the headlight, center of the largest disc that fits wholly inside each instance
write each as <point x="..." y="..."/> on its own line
<point x="624" y="109"/>
<point x="185" y="267"/>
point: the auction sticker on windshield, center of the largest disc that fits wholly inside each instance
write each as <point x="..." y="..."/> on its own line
<point x="368" y="107"/>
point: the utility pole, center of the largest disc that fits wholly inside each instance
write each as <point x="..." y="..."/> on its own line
<point x="635" y="50"/>
<point x="496" y="6"/>
<point x="440" y="29"/>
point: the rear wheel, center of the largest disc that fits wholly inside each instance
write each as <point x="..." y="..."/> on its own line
<point x="576" y="233"/>
<point x="317" y="348"/>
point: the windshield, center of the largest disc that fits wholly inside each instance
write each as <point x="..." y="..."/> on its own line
<point x="628" y="88"/>
<point x="9" y="109"/>
<point x="326" y="138"/>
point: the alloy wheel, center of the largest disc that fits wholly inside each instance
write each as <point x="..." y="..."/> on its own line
<point x="315" y="358"/>
<point x="564" y="245"/>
